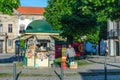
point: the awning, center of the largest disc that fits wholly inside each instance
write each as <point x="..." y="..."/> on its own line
<point x="26" y="37"/>
<point x="58" y="38"/>
<point x="42" y="37"/>
<point x="23" y="37"/>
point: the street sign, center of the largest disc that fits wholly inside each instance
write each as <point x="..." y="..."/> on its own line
<point x="18" y="43"/>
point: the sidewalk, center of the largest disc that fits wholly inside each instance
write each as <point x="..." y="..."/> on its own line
<point x="96" y="68"/>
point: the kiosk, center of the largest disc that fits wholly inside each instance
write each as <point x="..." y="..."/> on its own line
<point x="37" y="53"/>
<point x="40" y="51"/>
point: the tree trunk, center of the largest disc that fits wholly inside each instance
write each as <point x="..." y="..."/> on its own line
<point x="69" y="39"/>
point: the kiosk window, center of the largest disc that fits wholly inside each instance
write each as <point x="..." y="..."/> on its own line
<point x="42" y="44"/>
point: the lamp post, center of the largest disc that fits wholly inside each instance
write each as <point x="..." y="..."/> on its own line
<point x="18" y="44"/>
<point x="25" y="59"/>
<point x="6" y="42"/>
<point x="105" y="66"/>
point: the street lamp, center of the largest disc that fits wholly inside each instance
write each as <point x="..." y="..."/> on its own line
<point x="18" y="44"/>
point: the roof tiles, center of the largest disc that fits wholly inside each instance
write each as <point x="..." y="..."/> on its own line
<point x="30" y="10"/>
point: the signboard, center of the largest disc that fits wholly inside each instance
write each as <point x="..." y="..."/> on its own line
<point x="79" y="48"/>
<point x="58" y="50"/>
<point x="2" y="37"/>
<point x="61" y="48"/>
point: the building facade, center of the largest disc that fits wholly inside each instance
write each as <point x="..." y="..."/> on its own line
<point x="8" y="31"/>
<point x="114" y="38"/>
<point x="27" y="15"/>
<point x="11" y="27"/>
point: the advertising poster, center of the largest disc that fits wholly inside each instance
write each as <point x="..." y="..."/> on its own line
<point x="79" y="48"/>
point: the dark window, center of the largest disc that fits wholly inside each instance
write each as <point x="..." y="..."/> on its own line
<point x="10" y="28"/>
<point x="1" y="27"/>
<point x="117" y="29"/>
<point x="21" y="18"/>
<point x="33" y="18"/>
<point x="22" y="28"/>
<point x="9" y="42"/>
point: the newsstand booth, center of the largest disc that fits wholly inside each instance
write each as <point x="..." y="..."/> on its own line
<point x="40" y="45"/>
<point x="38" y="53"/>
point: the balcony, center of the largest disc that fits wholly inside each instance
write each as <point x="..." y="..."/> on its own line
<point x="2" y="34"/>
<point x="114" y="33"/>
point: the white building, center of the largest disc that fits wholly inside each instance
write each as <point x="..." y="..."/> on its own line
<point x="27" y="15"/>
<point x="114" y="38"/>
<point x="12" y="26"/>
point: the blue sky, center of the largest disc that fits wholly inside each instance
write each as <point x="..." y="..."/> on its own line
<point x="35" y="3"/>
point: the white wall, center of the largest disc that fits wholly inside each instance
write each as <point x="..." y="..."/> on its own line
<point x="25" y="22"/>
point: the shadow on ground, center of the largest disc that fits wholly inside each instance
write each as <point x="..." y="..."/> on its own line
<point x="103" y="63"/>
<point x="18" y="74"/>
<point x="59" y="76"/>
<point x="99" y="74"/>
<point x="11" y="59"/>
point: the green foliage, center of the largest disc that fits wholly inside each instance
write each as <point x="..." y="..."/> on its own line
<point x="20" y="64"/>
<point x="94" y="38"/>
<point x="55" y="10"/>
<point x="69" y="16"/>
<point x="104" y="9"/>
<point x="103" y="31"/>
<point x="2" y="75"/>
<point x="81" y="17"/>
<point x="22" y="43"/>
<point x="7" y="6"/>
<point x="79" y="61"/>
<point x="83" y="63"/>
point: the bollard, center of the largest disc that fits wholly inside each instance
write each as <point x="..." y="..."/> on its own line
<point x="62" y="72"/>
<point x="64" y="65"/>
<point x="53" y="66"/>
<point x="14" y="71"/>
<point x="105" y="67"/>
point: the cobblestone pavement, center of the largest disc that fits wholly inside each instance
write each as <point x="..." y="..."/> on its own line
<point x="73" y="77"/>
<point x="93" y="71"/>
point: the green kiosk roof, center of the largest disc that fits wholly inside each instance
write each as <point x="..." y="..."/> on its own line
<point x="43" y="26"/>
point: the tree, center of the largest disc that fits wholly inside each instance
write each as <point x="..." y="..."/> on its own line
<point x="94" y="38"/>
<point x="7" y="6"/>
<point x="81" y="17"/>
<point x="104" y="10"/>
<point x="69" y="17"/>
<point x="55" y="10"/>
